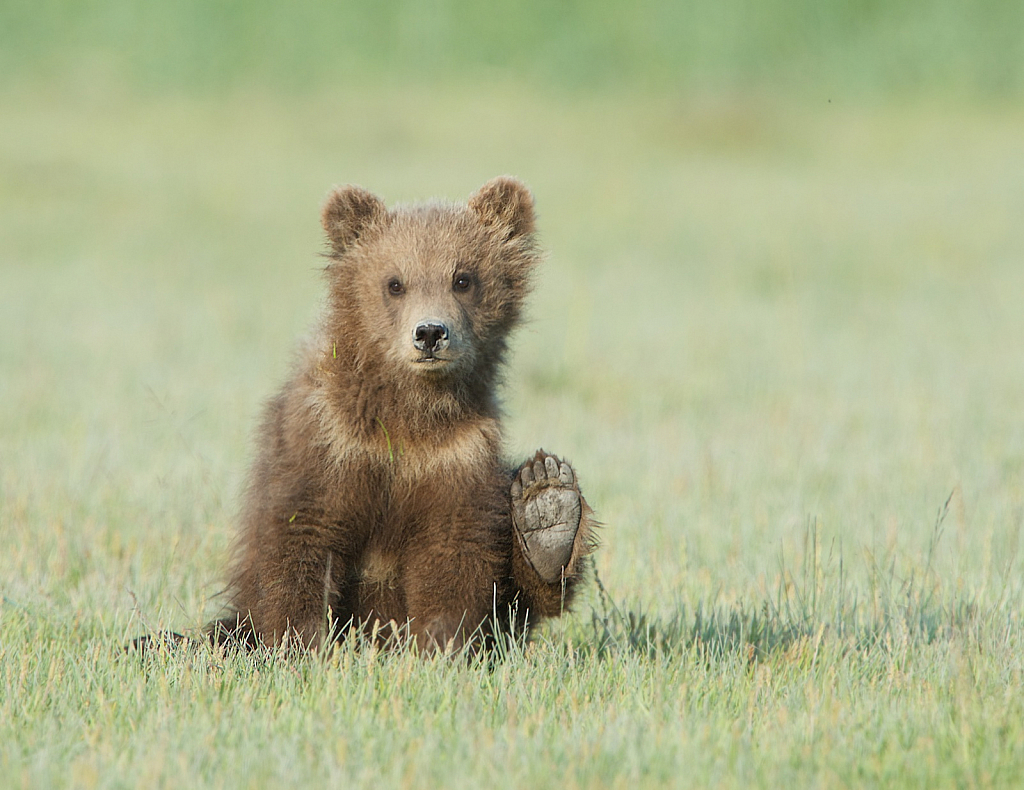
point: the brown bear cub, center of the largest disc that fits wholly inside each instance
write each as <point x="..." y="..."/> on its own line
<point x="378" y="498"/>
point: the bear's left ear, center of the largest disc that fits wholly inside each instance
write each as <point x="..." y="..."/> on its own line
<point x="505" y="204"/>
<point x="346" y="214"/>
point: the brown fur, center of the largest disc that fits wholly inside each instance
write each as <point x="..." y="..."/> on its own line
<point x="378" y="493"/>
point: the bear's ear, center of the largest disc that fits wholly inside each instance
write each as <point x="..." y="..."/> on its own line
<point x="347" y="212"/>
<point x="505" y="204"/>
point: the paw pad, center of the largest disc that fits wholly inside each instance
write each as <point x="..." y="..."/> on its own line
<point x="546" y="512"/>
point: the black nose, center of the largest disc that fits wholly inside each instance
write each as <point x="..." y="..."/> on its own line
<point x="430" y="336"/>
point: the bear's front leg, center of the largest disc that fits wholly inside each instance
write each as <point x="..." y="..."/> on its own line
<point x="554" y="533"/>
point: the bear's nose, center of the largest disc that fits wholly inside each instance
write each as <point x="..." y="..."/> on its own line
<point x="430" y="336"/>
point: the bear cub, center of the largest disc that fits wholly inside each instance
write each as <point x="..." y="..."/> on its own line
<point x="378" y="497"/>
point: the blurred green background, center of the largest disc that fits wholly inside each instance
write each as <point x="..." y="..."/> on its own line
<point x="786" y="261"/>
<point x="786" y="255"/>
<point x="939" y="46"/>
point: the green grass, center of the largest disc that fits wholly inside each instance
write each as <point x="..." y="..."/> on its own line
<point x="782" y="342"/>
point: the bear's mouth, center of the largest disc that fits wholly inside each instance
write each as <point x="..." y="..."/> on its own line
<point x="430" y="360"/>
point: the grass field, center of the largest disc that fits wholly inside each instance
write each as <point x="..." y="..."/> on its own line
<point x="781" y="338"/>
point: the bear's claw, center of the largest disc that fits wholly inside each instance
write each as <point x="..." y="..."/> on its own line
<point x="546" y="511"/>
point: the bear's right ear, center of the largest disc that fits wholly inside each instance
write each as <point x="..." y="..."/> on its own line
<point x="347" y="212"/>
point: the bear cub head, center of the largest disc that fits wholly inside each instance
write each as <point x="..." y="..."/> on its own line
<point x="426" y="295"/>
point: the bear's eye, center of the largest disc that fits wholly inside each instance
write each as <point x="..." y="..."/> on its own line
<point x="462" y="282"/>
<point x="395" y="287"/>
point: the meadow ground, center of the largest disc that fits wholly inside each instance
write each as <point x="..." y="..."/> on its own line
<point x="783" y="342"/>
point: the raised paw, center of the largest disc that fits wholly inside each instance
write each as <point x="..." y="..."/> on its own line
<point x="546" y="513"/>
